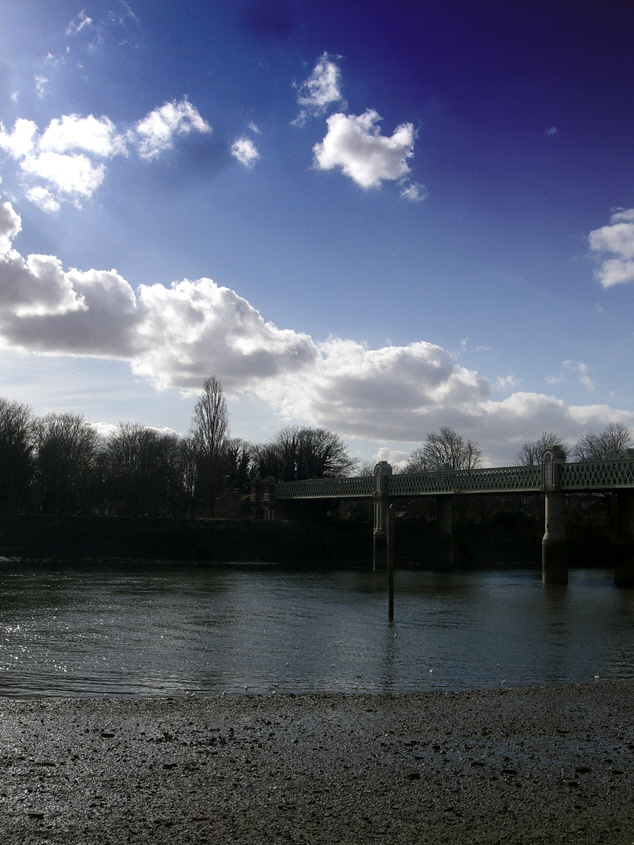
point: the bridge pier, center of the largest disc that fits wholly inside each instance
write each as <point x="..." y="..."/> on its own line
<point x="624" y="565"/>
<point x="381" y="504"/>
<point x="444" y="527"/>
<point x="554" y="542"/>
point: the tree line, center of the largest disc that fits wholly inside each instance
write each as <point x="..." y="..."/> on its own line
<point x="59" y="464"/>
<point x="447" y="449"/>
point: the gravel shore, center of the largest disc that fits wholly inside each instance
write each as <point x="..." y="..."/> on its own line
<point x="551" y="765"/>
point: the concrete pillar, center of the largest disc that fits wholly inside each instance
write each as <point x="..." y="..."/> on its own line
<point x="445" y="528"/>
<point x="381" y="502"/>
<point x="554" y="542"/>
<point x="624" y="564"/>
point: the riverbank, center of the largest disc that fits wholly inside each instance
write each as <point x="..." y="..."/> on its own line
<point x="550" y="765"/>
<point x="296" y="543"/>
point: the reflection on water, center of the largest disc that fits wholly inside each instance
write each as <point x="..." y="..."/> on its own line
<point x="206" y="631"/>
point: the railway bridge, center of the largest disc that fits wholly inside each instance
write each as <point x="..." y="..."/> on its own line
<point x="553" y="478"/>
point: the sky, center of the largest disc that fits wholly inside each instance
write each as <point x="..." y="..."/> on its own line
<point x="378" y="218"/>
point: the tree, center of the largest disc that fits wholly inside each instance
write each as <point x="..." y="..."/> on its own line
<point x="66" y="454"/>
<point x="604" y="446"/>
<point x="140" y="469"/>
<point x="298" y="453"/>
<point x="532" y="451"/>
<point x="442" y="448"/>
<point x="210" y="422"/>
<point x="238" y="462"/>
<point x="209" y="431"/>
<point x="16" y="446"/>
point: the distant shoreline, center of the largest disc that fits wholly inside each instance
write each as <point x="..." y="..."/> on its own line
<point x="299" y="543"/>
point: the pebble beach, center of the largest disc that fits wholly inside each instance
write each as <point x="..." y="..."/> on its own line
<point x="531" y="765"/>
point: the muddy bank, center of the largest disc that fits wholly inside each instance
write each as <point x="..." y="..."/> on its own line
<point x="551" y="765"/>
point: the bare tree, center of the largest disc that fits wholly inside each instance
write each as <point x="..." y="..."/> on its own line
<point x="604" y="446"/>
<point x="210" y="422"/>
<point x="66" y="454"/>
<point x="238" y="463"/>
<point x="443" y="448"/>
<point x="16" y="445"/>
<point x="297" y="453"/>
<point x="532" y="451"/>
<point x="140" y="469"/>
<point x="209" y="431"/>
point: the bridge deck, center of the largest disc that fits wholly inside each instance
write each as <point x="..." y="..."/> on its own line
<point x="574" y="477"/>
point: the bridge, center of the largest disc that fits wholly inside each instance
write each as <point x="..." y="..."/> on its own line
<point x="553" y="478"/>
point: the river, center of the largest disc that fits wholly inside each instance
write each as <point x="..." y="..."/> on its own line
<point x="206" y="631"/>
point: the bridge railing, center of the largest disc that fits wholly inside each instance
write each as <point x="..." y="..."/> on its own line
<point x="499" y="480"/>
<point x="585" y="475"/>
<point x="326" y="488"/>
<point x="515" y="479"/>
<point x="597" y="475"/>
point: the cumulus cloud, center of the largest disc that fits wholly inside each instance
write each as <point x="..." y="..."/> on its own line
<point x="67" y="162"/>
<point x="396" y="457"/>
<point x="355" y="144"/>
<point x="321" y="90"/>
<point x="10" y="225"/>
<point x="97" y="136"/>
<point x="245" y="151"/>
<point x="156" y="132"/>
<point x="614" y="247"/>
<point x="175" y="336"/>
<point x="75" y="176"/>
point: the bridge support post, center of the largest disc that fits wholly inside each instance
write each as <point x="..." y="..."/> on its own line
<point x="381" y="503"/>
<point x="554" y="542"/>
<point x="444" y="512"/>
<point x="624" y="565"/>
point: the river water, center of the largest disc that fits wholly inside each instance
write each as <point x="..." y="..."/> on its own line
<point x="196" y="630"/>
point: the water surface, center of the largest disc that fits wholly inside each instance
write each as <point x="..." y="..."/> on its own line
<point x="193" y="630"/>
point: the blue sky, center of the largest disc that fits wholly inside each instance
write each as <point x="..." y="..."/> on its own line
<point x="380" y="218"/>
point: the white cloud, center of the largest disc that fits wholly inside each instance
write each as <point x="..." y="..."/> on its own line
<point x="614" y="245"/>
<point x="355" y="144"/>
<point x="414" y="192"/>
<point x="155" y="133"/>
<point x="320" y="90"/>
<point x="41" y="85"/>
<point x="97" y="136"/>
<point x="21" y="141"/>
<point x="396" y="457"/>
<point x="66" y="163"/>
<point x="582" y="373"/>
<point x="245" y="151"/>
<point x="43" y="198"/>
<point x="74" y="175"/>
<point x="10" y="225"/>
<point x="82" y="20"/>
<point x="175" y="336"/>
<point x="505" y="382"/>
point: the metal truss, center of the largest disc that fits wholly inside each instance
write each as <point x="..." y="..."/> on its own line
<point x="586" y="475"/>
